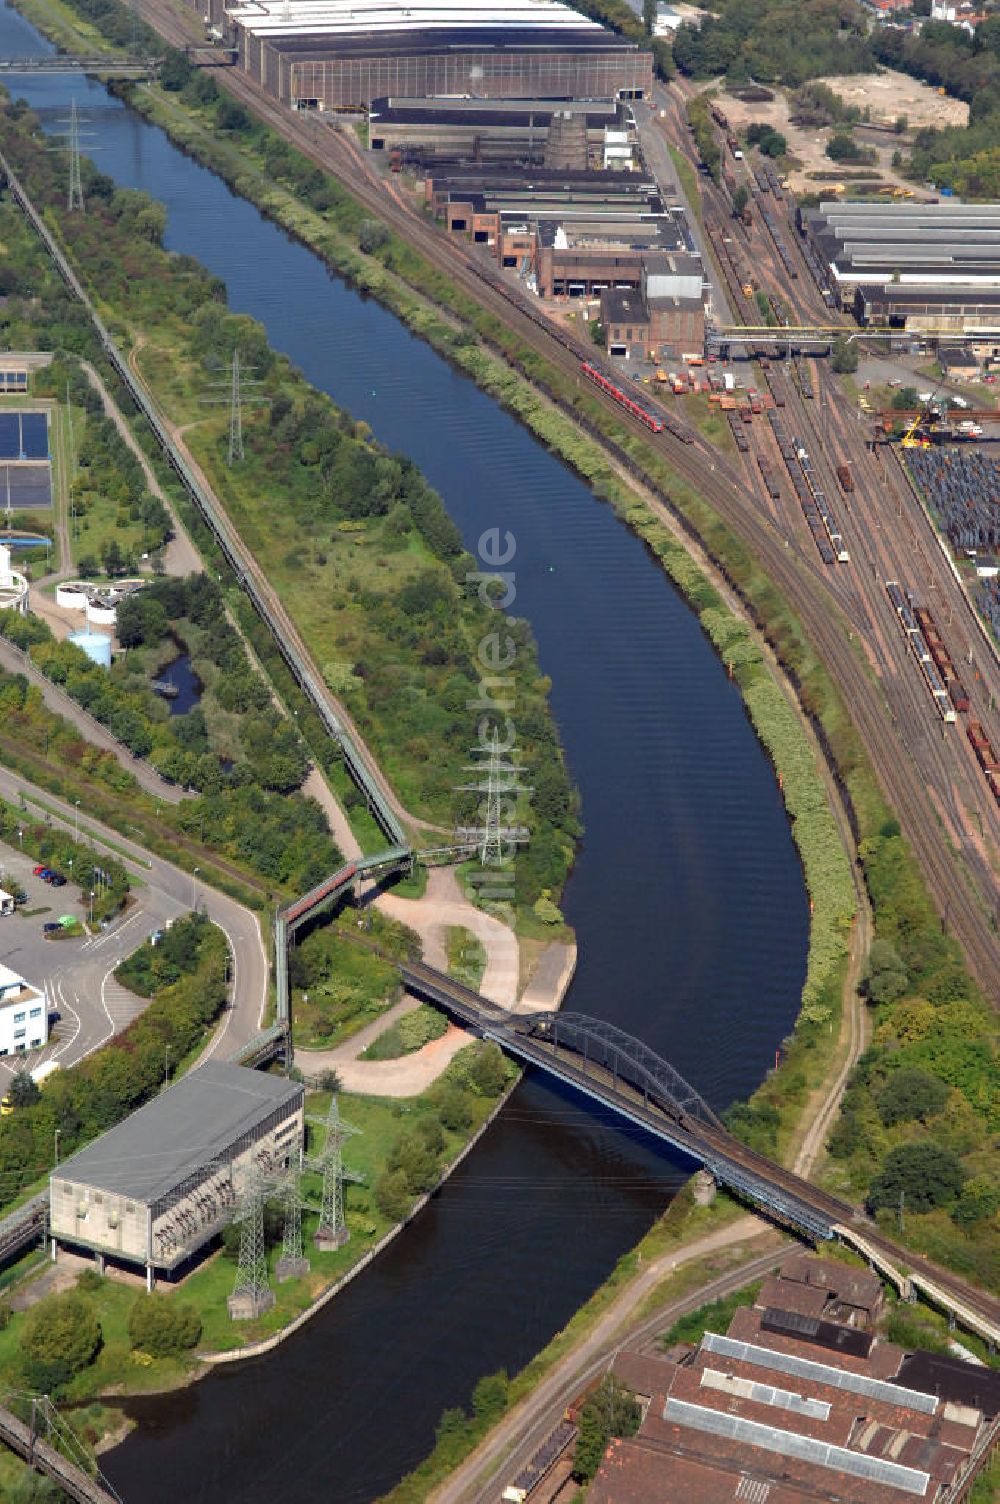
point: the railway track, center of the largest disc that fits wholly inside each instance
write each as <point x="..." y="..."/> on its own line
<point x="693" y="459"/>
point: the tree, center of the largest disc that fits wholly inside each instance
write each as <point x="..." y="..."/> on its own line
<point x="612" y="1410"/>
<point x="489" y="1398"/>
<point x="392" y="1195"/>
<point x="24" y="1091"/>
<point x="649" y="15"/>
<point x="487" y="1072"/>
<point x="61" y="1336"/>
<point x="910" y="1093"/>
<point x="455" y="1110"/>
<point x="843" y="148"/>
<point x="886" y="978"/>
<point x="844" y="357"/>
<point x="922" y="1172"/>
<point x="162" y="1327"/>
<point x="329" y="1080"/>
<point x="741" y="197"/>
<point x="372" y="236"/>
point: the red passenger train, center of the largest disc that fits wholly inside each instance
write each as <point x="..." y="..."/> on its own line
<point x="635" y="408"/>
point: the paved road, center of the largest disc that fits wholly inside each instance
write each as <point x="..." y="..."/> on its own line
<point x="81" y="977"/>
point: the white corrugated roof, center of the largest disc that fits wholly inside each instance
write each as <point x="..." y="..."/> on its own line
<point x="333" y="17"/>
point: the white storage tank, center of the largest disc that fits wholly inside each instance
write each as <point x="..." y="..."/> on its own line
<point x="96" y="645"/>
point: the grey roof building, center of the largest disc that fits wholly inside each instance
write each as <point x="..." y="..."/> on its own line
<point x="158" y="1186"/>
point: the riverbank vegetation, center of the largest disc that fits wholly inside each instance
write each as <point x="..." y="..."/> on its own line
<point x="378" y="579"/>
<point x="338" y="986"/>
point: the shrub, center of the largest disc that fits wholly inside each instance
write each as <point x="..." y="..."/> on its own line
<point x="163" y="1327"/>
<point x="392" y="1195"/>
<point x="910" y="1093"/>
<point x="923" y="1173"/>
<point x="61" y="1336"/>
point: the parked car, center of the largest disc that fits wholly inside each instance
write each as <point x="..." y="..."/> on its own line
<point x="38" y="870"/>
<point x="57" y="880"/>
<point x="51" y="927"/>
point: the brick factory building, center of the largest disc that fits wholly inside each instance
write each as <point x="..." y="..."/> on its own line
<point x="335" y="55"/>
<point x="157" y="1187"/>
<point x="794" y="1407"/>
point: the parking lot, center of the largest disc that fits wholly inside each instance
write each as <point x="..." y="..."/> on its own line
<point x="86" y="1005"/>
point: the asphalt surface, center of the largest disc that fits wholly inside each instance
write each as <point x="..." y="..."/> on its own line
<point x="79" y="973"/>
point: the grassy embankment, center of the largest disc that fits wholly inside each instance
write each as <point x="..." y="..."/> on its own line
<point x="900" y="900"/>
<point x="377" y="577"/>
<point x="260" y="166"/>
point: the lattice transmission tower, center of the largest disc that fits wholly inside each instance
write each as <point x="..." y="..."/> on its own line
<point x="497" y="784"/>
<point x="252" y="1295"/>
<point x="332" y="1231"/>
<point x="74" y="198"/>
<point x="233" y="392"/>
<point x="293" y="1263"/>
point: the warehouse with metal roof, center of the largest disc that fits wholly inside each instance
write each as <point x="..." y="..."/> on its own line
<point x="158" y="1186"/>
<point x="945" y="248"/>
<point x="342" y="54"/>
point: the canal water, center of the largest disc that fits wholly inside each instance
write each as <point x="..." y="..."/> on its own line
<point x="179" y="673"/>
<point x="687" y="899"/>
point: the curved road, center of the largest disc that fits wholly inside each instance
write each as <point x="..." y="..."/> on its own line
<point x="160" y="890"/>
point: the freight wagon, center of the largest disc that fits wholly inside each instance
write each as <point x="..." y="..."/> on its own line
<point x="845" y="477"/>
<point x="622" y="398"/>
<point x="920" y="646"/>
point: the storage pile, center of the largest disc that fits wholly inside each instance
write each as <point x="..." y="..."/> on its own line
<point x="964" y="489"/>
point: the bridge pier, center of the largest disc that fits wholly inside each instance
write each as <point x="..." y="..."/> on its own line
<point x="704" y="1188"/>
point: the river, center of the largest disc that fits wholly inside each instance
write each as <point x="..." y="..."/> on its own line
<point x="687" y="898"/>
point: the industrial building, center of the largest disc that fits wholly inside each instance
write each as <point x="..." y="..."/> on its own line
<point x="24" y="1012"/>
<point x="570" y="233"/>
<point x="513" y="130"/>
<point x="664" y="318"/>
<point x="792" y="1407"/>
<point x="342" y="55"/>
<point x="156" y="1188"/>
<point x="914" y="266"/>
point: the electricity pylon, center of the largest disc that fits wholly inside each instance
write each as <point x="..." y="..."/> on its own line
<point x="498" y="785"/>
<point x="292" y="1264"/>
<point x="235" y="398"/>
<point x="332" y="1231"/>
<point x="75" y="195"/>
<point x="252" y="1295"/>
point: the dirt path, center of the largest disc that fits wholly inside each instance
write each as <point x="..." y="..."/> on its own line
<point x="181" y="557"/>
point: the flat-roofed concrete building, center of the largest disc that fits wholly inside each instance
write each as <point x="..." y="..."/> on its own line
<point x="342" y="54"/>
<point x="157" y="1187"/>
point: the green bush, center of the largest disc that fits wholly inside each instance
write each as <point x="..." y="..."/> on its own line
<point x="922" y="1173"/>
<point x="61" y="1336"/>
<point x="163" y="1327"/>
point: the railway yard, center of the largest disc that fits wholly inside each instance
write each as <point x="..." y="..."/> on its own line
<point x="927" y="765"/>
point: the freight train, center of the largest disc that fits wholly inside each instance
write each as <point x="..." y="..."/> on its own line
<point x="920" y="630"/>
<point x="637" y="410"/>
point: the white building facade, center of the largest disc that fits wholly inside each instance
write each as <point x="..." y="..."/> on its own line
<point x="24" y="1014"/>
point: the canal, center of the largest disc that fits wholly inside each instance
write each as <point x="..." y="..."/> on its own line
<point x="687" y="898"/>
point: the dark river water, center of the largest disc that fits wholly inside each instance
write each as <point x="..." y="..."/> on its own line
<point x="687" y="900"/>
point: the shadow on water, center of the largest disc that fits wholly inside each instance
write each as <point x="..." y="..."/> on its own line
<point x="687" y="899"/>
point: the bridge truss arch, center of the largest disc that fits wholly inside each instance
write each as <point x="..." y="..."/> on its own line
<point x="629" y="1060"/>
